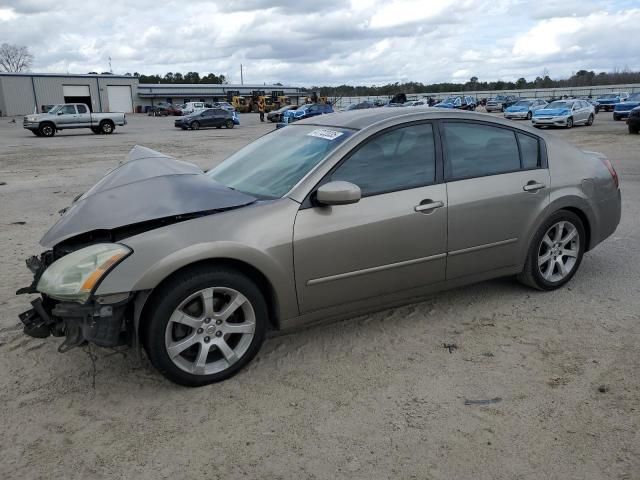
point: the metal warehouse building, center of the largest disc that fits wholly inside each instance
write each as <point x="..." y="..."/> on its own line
<point x="152" y="93"/>
<point x="22" y="93"/>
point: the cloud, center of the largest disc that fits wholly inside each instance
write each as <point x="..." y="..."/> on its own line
<point x="311" y="42"/>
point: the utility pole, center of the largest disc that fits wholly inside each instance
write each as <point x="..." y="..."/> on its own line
<point x="241" y="77"/>
<point x="110" y="69"/>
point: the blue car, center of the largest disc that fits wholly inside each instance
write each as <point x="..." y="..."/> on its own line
<point x="462" y="102"/>
<point x="622" y="109"/>
<point x="608" y="101"/>
<point x="524" y="109"/>
<point x="304" y="111"/>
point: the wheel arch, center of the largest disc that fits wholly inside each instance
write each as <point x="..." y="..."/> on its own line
<point x="577" y="207"/>
<point x="240" y="266"/>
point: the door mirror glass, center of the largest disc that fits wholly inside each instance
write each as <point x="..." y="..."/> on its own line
<point x="338" y="193"/>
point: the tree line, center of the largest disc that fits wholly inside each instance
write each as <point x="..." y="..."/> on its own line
<point x="170" y="77"/>
<point x="582" y="78"/>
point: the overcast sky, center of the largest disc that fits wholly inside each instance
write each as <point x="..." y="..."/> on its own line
<point x="328" y="42"/>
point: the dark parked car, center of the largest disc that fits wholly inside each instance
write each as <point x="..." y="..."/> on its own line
<point x="634" y="120"/>
<point x="360" y="106"/>
<point x="158" y="111"/>
<point x="276" y="115"/>
<point x="622" y="109"/>
<point x="608" y="101"/>
<point x="500" y="103"/>
<point x="305" y="111"/>
<point x="211" y="117"/>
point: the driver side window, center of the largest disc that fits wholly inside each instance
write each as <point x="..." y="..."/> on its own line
<point x="68" y="110"/>
<point x="399" y="159"/>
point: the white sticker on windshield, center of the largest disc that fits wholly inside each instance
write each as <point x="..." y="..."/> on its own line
<point x="325" y="133"/>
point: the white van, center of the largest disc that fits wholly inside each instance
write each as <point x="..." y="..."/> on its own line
<point x="191" y="107"/>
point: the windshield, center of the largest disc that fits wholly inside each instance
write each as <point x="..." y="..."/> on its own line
<point x="450" y="100"/>
<point x="559" y="105"/>
<point x="523" y="103"/>
<point x="500" y="97"/>
<point x="609" y="95"/>
<point x="634" y="97"/>
<point x="273" y="164"/>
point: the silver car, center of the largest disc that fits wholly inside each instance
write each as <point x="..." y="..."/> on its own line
<point x="334" y="216"/>
<point x="564" y="113"/>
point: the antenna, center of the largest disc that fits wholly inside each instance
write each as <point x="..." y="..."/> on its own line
<point x="110" y="69"/>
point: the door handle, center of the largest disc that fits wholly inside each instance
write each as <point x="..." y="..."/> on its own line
<point x="426" y="206"/>
<point x="533" y="186"/>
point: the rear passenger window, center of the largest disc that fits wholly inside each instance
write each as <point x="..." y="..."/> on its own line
<point x="401" y="159"/>
<point x="530" y="151"/>
<point x="474" y="150"/>
<point x="82" y="109"/>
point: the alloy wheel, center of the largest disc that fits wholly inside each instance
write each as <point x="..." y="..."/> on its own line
<point x="558" y="251"/>
<point x="210" y="330"/>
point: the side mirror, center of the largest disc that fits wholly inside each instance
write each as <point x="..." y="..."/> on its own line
<point x="60" y="113"/>
<point x="338" y="193"/>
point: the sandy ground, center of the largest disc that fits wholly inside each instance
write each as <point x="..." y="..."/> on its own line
<point x="375" y="397"/>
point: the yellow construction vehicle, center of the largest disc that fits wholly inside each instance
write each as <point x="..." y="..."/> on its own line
<point x="241" y="104"/>
<point x="282" y="101"/>
<point x="314" y="98"/>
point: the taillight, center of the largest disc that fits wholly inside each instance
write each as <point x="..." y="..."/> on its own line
<point x="612" y="170"/>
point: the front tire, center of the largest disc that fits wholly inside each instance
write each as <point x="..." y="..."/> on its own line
<point x="529" y="115"/>
<point x="570" y="122"/>
<point x="555" y="253"/>
<point x="633" y="129"/>
<point x="47" y="130"/>
<point x="195" y="125"/>
<point x="616" y="117"/>
<point x="590" y="120"/>
<point x="206" y="326"/>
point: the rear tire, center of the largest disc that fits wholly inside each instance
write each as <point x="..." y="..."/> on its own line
<point x="228" y="124"/>
<point x="633" y="129"/>
<point x="107" y="127"/>
<point x="529" y="115"/>
<point x="179" y="315"/>
<point x="553" y="260"/>
<point x="616" y="117"/>
<point x="195" y="125"/>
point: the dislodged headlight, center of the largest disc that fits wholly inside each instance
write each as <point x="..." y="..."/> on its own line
<point x="74" y="276"/>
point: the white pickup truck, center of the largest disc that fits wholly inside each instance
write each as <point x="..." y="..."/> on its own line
<point x="72" y="115"/>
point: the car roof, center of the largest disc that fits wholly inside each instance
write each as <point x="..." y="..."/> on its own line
<point x="359" y="119"/>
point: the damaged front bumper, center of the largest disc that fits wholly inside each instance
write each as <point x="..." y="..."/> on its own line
<point x="103" y="321"/>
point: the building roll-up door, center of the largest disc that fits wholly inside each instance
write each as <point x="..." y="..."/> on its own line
<point x="77" y="94"/>
<point x="76" y="91"/>
<point x="119" y="97"/>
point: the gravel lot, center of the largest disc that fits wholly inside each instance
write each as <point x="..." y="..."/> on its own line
<point x="374" y="397"/>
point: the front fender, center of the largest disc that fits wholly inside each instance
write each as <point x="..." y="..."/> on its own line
<point x="258" y="236"/>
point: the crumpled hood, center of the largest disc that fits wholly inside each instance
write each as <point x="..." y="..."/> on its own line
<point x="147" y="186"/>
<point x="552" y="111"/>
